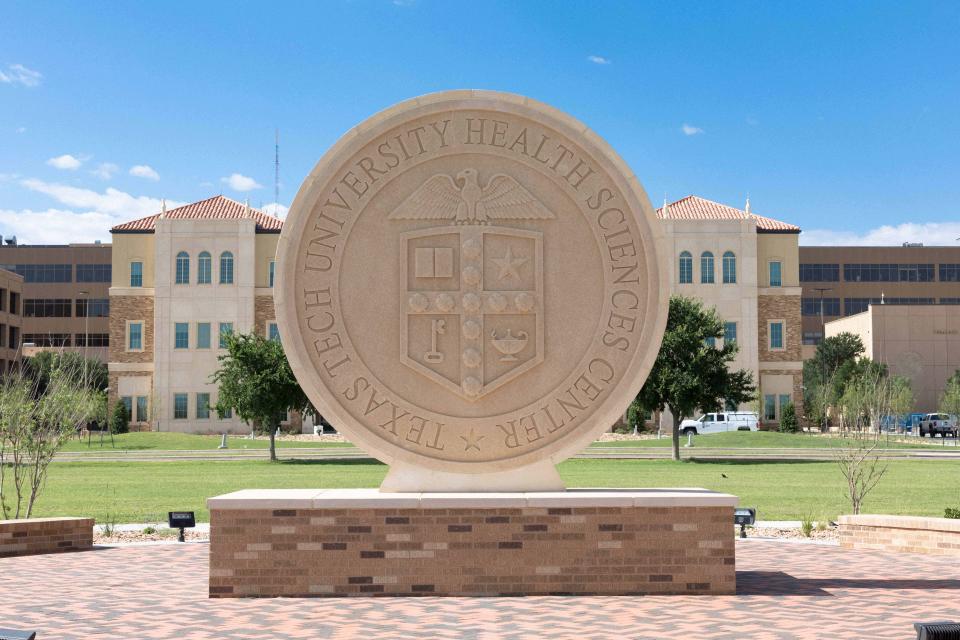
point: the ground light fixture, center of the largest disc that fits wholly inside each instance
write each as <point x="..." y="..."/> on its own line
<point x="181" y="520"/>
<point x="744" y="516"/>
<point x="937" y="630"/>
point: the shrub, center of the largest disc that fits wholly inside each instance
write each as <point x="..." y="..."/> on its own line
<point x="806" y="526"/>
<point x="149" y="530"/>
<point x="788" y="419"/>
<point x="951" y="513"/>
<point x="120" y="420"/>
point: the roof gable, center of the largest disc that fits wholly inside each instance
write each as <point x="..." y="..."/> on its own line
<point x="697" y="208"/>
<point x="215" y="208"/>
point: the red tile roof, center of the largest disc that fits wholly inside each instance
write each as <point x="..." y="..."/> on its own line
<point x="215" y="208"/>
<point x="696" y="208"/>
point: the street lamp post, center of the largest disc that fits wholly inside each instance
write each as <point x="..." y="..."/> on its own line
<point x="823" y="335"/>
<point x="86" y="333"/>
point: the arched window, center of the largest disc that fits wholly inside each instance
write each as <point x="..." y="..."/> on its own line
<point x="204" y="267"/>
<point x="183" y="268"/>
<point x="686" y="267"/>
<point x="729" y="268"/>
<point x="706" y="268"/>
<point x="226" y="268"/>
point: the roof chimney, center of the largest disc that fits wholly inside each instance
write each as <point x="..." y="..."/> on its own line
<point x="666" y="207"/>
<point x="747" y="208"/>
<point x="163" y="208"/>
<point x="246" y="209"/>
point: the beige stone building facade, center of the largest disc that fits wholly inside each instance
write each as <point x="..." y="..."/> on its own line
<point x="920" y="342"/>
<point x="746" y="267"/>
<point x="11" y="293"/>
<point x="182" y="279"/>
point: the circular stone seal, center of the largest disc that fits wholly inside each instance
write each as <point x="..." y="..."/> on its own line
<point x="469" y="283"/>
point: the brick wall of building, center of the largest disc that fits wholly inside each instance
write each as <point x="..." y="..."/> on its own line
<point x="779" y="307"/>
<point x="45" y="535"/>
<point x="263" y="312"/>
<point x="122" y="309"/>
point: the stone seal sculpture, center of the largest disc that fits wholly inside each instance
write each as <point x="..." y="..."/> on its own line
<point x="469" y="289"/>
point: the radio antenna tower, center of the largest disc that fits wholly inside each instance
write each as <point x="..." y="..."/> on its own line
<point x="276" y="169"/>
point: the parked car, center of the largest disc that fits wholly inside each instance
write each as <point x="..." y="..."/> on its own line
<point x="721" y="422"/>
<point x="934" y="423"/>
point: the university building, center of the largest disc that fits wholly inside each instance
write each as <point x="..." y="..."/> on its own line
<point x="183" y="279"/>
<point x="65" y="302"/>
<point x="746" y="267"/>
<point x="11" y="292"/>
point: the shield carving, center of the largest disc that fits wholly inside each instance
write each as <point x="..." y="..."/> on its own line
<point x="473" y="310"/>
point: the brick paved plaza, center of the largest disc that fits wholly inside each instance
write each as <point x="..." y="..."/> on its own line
<point x="784" y="591"/>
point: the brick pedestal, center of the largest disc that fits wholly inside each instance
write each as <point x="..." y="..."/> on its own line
<point x="45" y="535"/>
<point x="936" y="536"/>
<point x="356" y="542"/>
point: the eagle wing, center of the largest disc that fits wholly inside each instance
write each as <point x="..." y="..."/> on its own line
<point x="504" y="199"/>
<point x="436" y="199"/>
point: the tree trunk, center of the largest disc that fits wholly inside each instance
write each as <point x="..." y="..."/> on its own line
<point x="273" y="445"/>
<point x="676" y="434"/>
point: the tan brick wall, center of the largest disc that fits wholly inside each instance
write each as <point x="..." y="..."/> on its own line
<point x="471" y="551"/>
<point x="797" y="392"/>
<point x="123" y="308"/>
<point x="935" y="536"/>
<point x="45" y="535"/>
<point x="782" y="307"/>
<point x="263" y="312"/>
<point x="113" y="379"/>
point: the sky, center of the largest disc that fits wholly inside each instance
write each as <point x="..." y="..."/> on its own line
<point x="840" y="117"/>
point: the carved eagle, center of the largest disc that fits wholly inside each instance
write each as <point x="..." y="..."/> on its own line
<point x="461" y="199"/>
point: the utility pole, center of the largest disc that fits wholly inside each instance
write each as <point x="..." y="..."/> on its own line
<point x="86" y="333"/>
<point x="823" y="336"/>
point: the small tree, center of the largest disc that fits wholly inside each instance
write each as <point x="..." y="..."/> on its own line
<point x="820" y="374"/>
<point x="950" y="400"/>
<point x="256" y="381"/>
<point x="690" y="372"/>
<point x="788" y="419"/>
<point x="120" y="420"/>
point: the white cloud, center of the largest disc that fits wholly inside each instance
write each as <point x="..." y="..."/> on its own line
<point x="105" y="170"/>
<point x="144" y="171"/>
<point x="19" y="74"/>
<point x="275" y="209"/>
<point x="66" y="161"/>
<point x="21" y="129"/>
<point x="57" y="226"/>
<point x="111" y="201"/>
<point x="929" y="233"/>
<point x="9" y="177"/>
<point x="690" y="130"/>
<point x="599" y="60"/>
<point x="239" y="182"/>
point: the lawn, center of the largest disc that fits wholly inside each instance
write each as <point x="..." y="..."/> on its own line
<point x="185" y="441"/>
<point x="145" y="491"/>
<point x="765" y="440"/>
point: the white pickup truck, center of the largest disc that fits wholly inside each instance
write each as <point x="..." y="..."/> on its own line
<point x="721" y="422"/>
<point x="934" y="423"/>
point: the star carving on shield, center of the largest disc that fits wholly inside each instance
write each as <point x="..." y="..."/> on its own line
<point x="473" y="306"/>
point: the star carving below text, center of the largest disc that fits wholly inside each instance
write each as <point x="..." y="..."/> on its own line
<point x="471" y="441"/>
<point x="509" y="265"/>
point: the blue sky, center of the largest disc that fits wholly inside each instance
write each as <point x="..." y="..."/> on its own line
<point x="843" y="117"/>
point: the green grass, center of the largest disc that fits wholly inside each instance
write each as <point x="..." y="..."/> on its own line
<point x="762" y="440"/>
<point x="145" y="491"/>
<point x="184" y="441"/>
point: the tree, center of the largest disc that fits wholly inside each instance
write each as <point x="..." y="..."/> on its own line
<point x="256" y="381"/>
<point x="34" y="424"/>
<point x="950" y="401"/>
<point x="90" y="372"/>
<point x="120" y="420"/>
<point x="788" y="419"/>
<point x="820" y="372"/>
<point x="690" y="372"/>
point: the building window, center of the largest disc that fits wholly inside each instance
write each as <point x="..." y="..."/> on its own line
<point x="811" y="306"/>
<point x="93" y="308"/>
<point x="92" y="339"/>
<point x="183" y="268"/>
<point x="273" y="331"/>
<point x="784" y="401"/>
<point x="729" y="332"/>
<point x="46" y="308"/>
<point x="93" y="272"/>
<point x="3" y="299"/>
<point x="272" y="271"/>
<point x="204" y="268"/>
<point x="142" y="414"/>
<point x="815" y="272"/>
<point x="812" y="337"/>
<point x="949" y="300"/>
<point x="769" y="407"/>
<point x="3" y="336"/>
<point x="135" y="336"/>
<point x="226" y="268"/>
<point x="46" y="339"/>
<point x="226" y="328"/>
<point x="776" y="335"/>
<point x="686" y="267"/>
<point x="203" y="406"/>
<point x="227" y="414"/>
<point x="179" y="406"/>
<point x="888" y="272"/>
<point x="729" y="268"/>
<point x="14" y="304"/>
<point x="42" y="273"/>
<point x="203" y="335"/>
<point x="710" y="341"/>
<point x="706" y="267"/>
<point x="776" y="273"/>
<point x="14" y="341"/>
<point x="127" y="403"/>
<point x="181" y="335"/>
<point x="136" y="274"/>
<point x="950" y="273"/>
